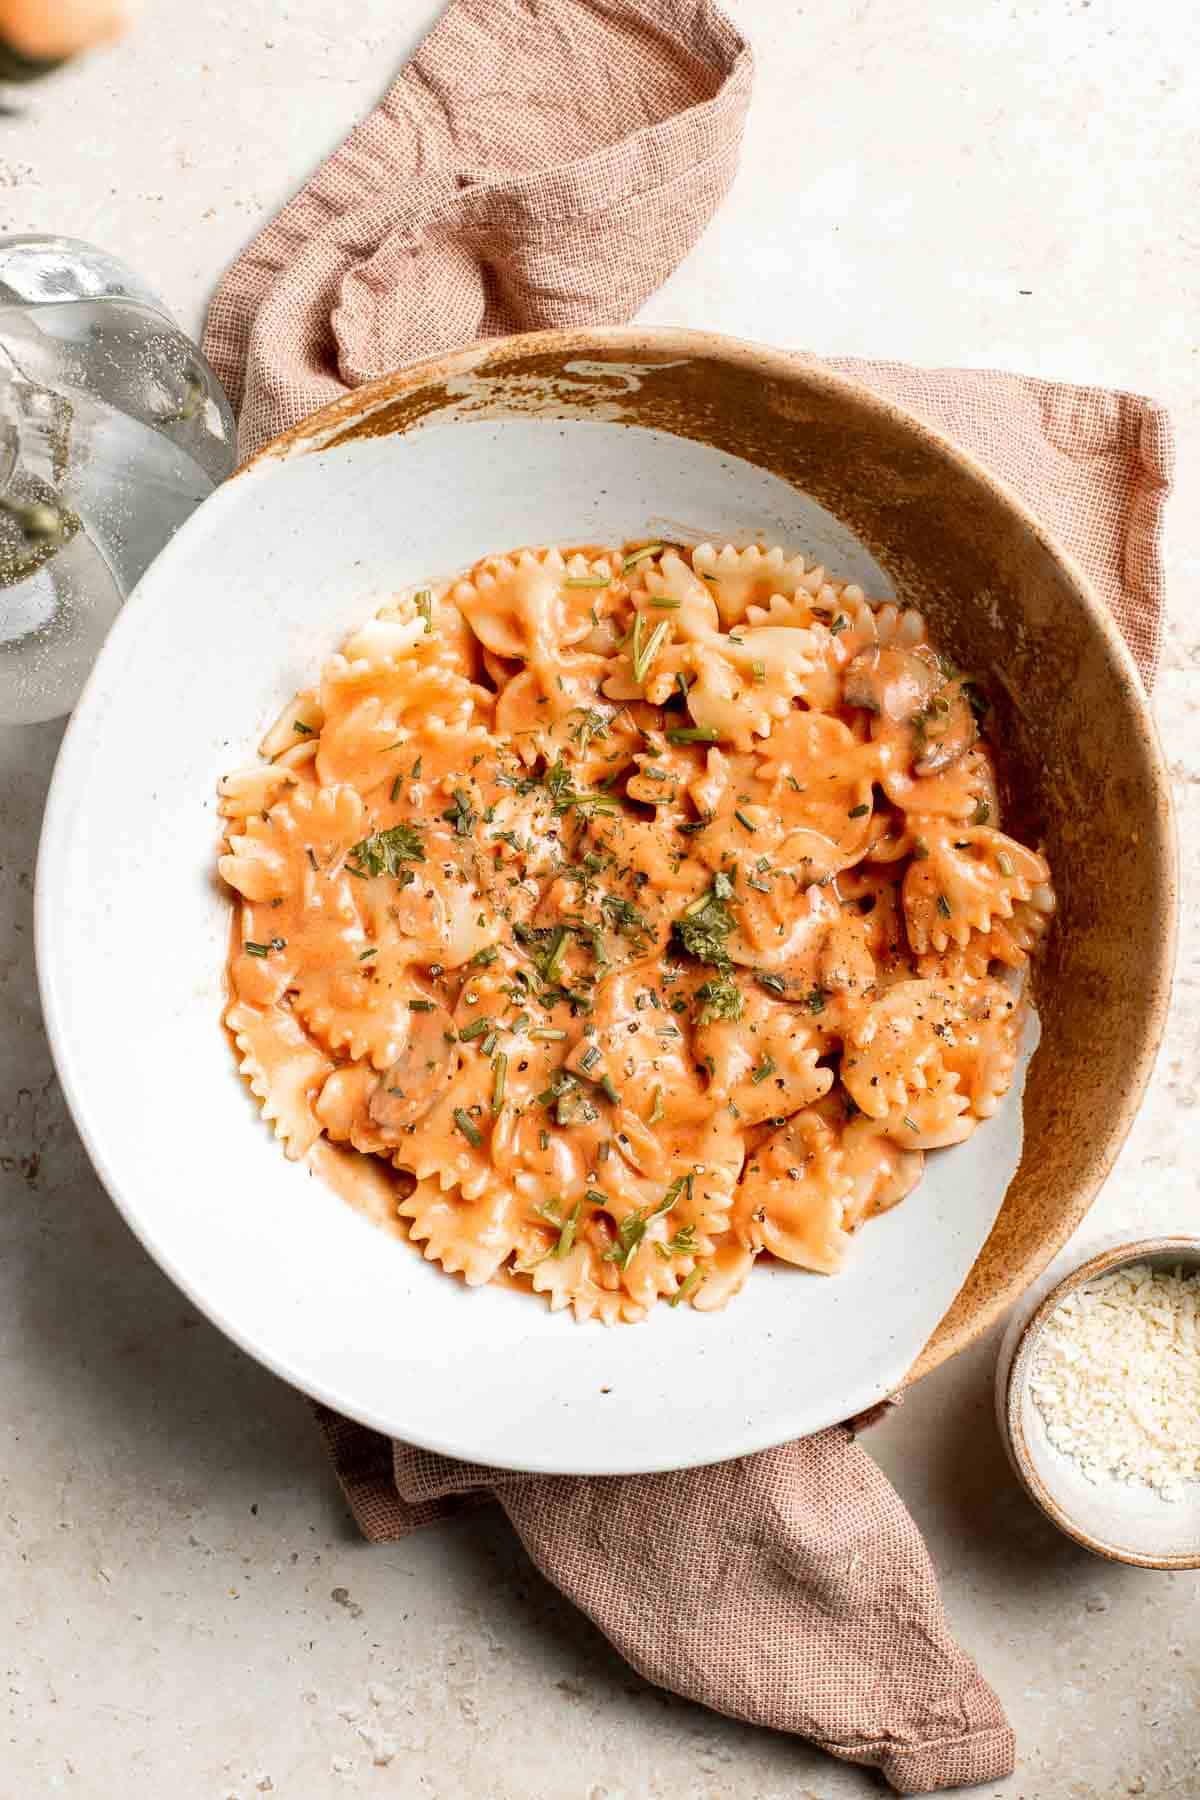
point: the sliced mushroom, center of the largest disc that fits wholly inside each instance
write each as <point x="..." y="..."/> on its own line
<point x="419" y="1075"/>
<point x="893" y="683"/>
<point x="944" y="730"/>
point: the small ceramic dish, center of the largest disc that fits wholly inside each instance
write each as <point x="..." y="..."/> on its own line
<point x="1125" y="1521"/>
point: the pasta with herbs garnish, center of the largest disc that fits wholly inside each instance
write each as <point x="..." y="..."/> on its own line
<point x="647" y="910"/>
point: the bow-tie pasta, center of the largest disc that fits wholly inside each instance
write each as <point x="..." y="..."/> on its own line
<point x="640" y="912"/>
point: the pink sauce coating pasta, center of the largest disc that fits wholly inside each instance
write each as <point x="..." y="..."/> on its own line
<point x="639" y="911"/>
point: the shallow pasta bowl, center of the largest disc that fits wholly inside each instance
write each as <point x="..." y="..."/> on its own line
<point x="583" y="437"/>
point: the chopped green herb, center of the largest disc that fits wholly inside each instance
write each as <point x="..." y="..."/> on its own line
<point x="461" y="815"/>
<point x="588" y="581"/>
<point x="664" y="604"/>
<point x="623" y="915"/>
<point x="547" y="1034"/>
<point x="859" y="812"/>
<point x="943" y="906"/>
<point x="477" y="1028"/>
<point x="682" y="1244"/>
<point x="693" y="734"/>
<point x="552" y="965"/>
<point x="839" y="625"/>
<point x="745" y="823"/>
<point x="499" y="1077"/>
<point x="815" y="1000"/>
<point x="774" y="984"/>
<point x="256" y="949"/>
<point x="688" y="1286"/>
<point x="373" y="951"/>
<point x="911" y="1123"/>
<point x="394" y="795"/>
<point x="609" y="1089"/>
<point x="482" y="958"/>
<point x="656" y="1109"/>
<point x="704" y="925"/>
<point x="632" y="1228"/>
<point x="302" y="728"/>
<point x="982" y="813"/>
<point x="384" y="851"/>
<point x="420" y="1006"/>
<point x="644" y="654"/>
<point x="566" y="1237"/>
<point x="468" y="1127"/>
<point x="424" y="601"/>
<point x="766" y="1067"/>
<point x="720" y="998"/>
<point x="632" y="561"/>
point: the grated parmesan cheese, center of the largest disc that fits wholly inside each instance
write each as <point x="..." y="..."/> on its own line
<point x="1116" y="1377"/>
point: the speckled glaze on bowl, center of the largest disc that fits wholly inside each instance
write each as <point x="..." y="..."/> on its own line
<point x="590" y="436"/>
<point x="1085" y="773"/>
<point x="1122" y="1521"/>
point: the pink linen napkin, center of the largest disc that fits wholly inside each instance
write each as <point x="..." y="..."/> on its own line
<point x="547" y="163"/>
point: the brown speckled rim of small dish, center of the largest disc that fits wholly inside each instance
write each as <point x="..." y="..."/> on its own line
<point x="1117" y="1256"/>
<point x="395" y="402"/>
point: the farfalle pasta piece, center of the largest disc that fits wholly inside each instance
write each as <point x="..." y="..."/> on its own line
<point x="250" y="791"/>
<point x="374" y="713"/>
<point x="763" y="1059"/>
<point x="574" y="1282"/>
<point x="471" y="1238"/>
<point x="981" y="1050"/>
<point x="636" y="911"/>
<point x="742" y="579"/>
<point x="881" y="1171"/>
<point x="535" y="603"/>
<point x="284" y="1070"/>
<point x="963" y="880"/>
<point x="930" y="1059"/>
<point x="300" y="719"/>
<point x="272" y="856"/>
<point x="718" y="1278"/>
<point x="931" y="1118"/>
<point x="895" y="1049"/>
<point x="792" y="1199"/>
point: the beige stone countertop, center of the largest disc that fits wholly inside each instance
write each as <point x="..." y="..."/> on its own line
<point x="185" y="1610"/>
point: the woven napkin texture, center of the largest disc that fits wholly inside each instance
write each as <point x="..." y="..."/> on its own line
<point x="547" y="163"/>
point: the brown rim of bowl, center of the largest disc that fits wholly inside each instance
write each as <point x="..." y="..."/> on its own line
<point x="325" y="427"/>
<point x="1018" y="1371"/>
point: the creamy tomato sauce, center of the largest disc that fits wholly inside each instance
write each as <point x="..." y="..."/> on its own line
<point x="608" y="918"/>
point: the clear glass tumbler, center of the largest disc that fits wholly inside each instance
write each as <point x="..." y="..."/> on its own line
<point x="113" y="429"/>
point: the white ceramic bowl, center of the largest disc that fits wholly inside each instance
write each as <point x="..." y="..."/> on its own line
<point x="1124" y="1521"/>
<point x="414" y="479"/>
